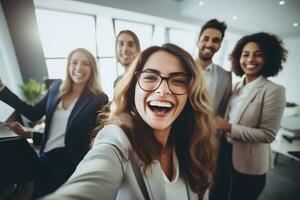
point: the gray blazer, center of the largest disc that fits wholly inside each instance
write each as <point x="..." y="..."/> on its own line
<point x="256" y="126"/>
<point x="106" y="173"/>
<point x="221" y="89"/>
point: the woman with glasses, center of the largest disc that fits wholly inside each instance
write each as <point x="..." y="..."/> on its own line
<point x="158" y="141"/>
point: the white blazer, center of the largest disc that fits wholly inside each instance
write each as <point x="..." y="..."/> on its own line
<point x="256" y="126"/>
<point x="106" y="173"/>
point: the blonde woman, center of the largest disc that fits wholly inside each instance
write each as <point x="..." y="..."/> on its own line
<point x="158" y="141"/>
<point x="70" y="109"/>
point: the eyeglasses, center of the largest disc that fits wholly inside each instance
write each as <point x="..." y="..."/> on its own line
<point x="178" y="83"/>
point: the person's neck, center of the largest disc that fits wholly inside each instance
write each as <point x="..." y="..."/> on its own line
<point x="125" y="67"/>
<point x="77" y="89"/>
<point x="162" y="136"/>
<point x="204" y="63"/>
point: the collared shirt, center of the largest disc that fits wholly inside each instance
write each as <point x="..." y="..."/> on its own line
<point x="208" y="76"/>
<point x="238" y="97"/>
<point x="58" y="127"/>
<point x="176" y="188"/>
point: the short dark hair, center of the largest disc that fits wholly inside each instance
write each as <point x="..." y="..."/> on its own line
<point x="216" y="24"/>
<point x="273" y="50"/>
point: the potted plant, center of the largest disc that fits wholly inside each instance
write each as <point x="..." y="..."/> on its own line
<point x="291" y="109"/>
<point x="32" y="90"/>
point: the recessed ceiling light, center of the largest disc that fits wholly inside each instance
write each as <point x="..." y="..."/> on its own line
<point x="295" y="24"/>
<point x="234" y="17"/>
<point x="281" y="3"/>
<point x="201" y="3"/>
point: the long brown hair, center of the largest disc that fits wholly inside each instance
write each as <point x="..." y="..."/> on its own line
<point x="93" y="82"/>
<point x="193" y="131"/>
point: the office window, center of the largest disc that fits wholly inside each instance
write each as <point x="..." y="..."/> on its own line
<point x="184" y="39"/>
<point x="62" y="32"/>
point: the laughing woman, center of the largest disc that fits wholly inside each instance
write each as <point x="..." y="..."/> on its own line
<point x="70" y="108"/>
<point x="159" y="140"/>
<point x="254" y="113"/>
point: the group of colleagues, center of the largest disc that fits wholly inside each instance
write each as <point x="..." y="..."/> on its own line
<point x="175" y="128"/>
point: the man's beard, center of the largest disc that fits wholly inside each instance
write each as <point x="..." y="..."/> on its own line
<point x="205" y="58"/>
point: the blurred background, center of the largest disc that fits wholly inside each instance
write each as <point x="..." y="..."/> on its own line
<point x="37" y="35"/>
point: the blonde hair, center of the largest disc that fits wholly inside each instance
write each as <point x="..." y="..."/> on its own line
<point x="92" y="85"/>
<point x="193" y="131"/>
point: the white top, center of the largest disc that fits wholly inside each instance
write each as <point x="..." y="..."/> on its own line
<point x="58" y="127"/>
<point x="175" y="189"/>
<point x="208" y="76"/>
<point x="238" y="98"/>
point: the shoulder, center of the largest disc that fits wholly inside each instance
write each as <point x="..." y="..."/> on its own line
<point x="114" y="135"/>
<point x="221" y="70"/>
<point x="271" y="87"/>
<point x="97" y="99"/>
<point x="102" y="96"/>
<point x="55" y="85"/>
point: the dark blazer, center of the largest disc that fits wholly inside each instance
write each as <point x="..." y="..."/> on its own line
<point x="80" y="122"/>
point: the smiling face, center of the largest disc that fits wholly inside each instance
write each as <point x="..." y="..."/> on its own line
<point x="252" y="60"/>
<point x="79" y="68"/>
<point x="160" y="108"/>
<point x="126" y="49"/>
<point x="209" y="43"/>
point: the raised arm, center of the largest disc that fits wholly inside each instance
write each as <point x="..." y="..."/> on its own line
<point x="98" y="176"/>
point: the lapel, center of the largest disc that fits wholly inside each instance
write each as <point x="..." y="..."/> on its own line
<point x="155" y="185"/>
<point x="215" y="89"/>
<point x="153" y="181"/>
<point x="253" y="92"/>
<point x="53" y="100"/>
<point x="80" y="104"/>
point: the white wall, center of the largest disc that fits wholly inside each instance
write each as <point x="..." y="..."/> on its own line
<point x="289" y="77"/>
<point x="9" y="67"/>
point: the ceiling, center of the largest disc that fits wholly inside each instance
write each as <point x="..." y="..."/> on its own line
<point x="252" y="15"/>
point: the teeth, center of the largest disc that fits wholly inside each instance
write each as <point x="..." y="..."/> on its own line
<point x="160" y="104"/>
<point x="125" y="56"/>
<point x="79" y="75"/>
<point x="207" y="50"/>
<point x="250" y="66"/>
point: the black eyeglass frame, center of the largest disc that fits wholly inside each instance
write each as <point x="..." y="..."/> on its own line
<point x="162" y="78"/>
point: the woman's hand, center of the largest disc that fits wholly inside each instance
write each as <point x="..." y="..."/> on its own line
<point x="18" y="129"/>
<point x="223" y="125"/>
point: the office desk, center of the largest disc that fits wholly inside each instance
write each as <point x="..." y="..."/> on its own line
<point x="291" y="124"/>
<point x="287" y="141"/>
<point x="6" y="132"/>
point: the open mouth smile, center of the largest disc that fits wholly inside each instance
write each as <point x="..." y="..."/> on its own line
<point x="160" y="108"/>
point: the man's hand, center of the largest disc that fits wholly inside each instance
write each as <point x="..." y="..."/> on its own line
<point x="18" y="129"/>
<point x="223" y="125"/>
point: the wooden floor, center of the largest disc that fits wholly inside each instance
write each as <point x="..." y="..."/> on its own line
<point x="283" y="182"/>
